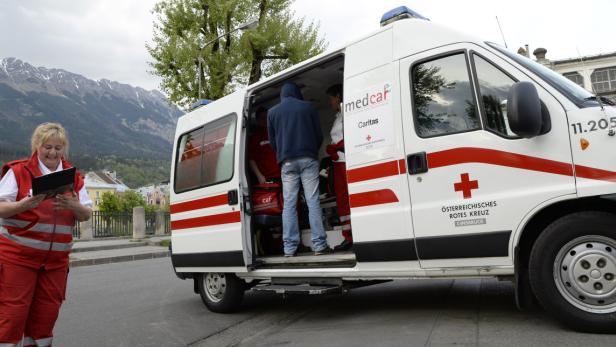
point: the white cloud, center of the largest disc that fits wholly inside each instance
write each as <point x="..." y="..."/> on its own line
<point x="106" y="38"/>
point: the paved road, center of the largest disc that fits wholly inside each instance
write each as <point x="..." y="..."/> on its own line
<point x="142" y="303"/>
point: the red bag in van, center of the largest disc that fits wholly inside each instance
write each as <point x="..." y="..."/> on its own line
<point x="267" y="198"/>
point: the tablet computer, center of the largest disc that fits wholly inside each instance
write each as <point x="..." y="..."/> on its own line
<point x="54" y="183"/>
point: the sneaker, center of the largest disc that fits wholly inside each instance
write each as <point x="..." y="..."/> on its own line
<point x="324" y="251"/>
<point x="288" y="255"/>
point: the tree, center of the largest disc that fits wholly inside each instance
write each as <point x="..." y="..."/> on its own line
<point x="186" y="49"/>
<point x="110" y="202"/>
<point x="124" y="202"/>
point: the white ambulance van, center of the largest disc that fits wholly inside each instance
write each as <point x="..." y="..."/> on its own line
<point x="463" y="160"/>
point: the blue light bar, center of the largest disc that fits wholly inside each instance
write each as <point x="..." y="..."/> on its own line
<point x="400" y="13"/>
<point x="199" y="103"/>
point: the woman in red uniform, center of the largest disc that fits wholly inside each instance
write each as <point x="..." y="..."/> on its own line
<point x="35" y="241"/>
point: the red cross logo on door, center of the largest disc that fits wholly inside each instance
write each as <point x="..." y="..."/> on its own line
<point x="466" y="185"/>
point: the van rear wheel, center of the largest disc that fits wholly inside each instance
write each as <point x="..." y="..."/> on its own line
<point x="221" y="292"/>
<point x="573" y="271"/>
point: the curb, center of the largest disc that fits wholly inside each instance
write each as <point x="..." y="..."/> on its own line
<point x="104" y="248"/>
<point x="118" y="259"/>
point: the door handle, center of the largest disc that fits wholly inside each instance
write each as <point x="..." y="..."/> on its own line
<point x="417" y="163"/>
<point x="232" y="197"/>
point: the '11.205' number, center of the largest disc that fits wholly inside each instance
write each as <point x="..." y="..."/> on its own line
<point x="592" y="125"/>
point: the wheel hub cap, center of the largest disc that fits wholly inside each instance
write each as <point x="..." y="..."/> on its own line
<point x="585" y="273"/>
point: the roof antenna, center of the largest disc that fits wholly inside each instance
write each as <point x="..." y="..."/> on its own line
<point x="501" y="31"/>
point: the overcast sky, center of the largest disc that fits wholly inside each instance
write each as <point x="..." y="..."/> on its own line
<point x="106" y="38"/>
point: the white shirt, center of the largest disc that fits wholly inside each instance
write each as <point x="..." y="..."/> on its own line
<point x="9" y="188"/>
<point x="337" y="134"/>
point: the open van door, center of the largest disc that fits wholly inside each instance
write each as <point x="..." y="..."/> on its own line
<point x="207" y="230"/>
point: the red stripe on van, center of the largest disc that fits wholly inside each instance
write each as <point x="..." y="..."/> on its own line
<point x="490" y="156"/>
<point x="402" y="166"/>
<point x="210" y="201"/>
<point x="371" y="172"/>
<point x="215" y="219"/>
<point x="594" y="174"/>
<point x="375" y="197"/>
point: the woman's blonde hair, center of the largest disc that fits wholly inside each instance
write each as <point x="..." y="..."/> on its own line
<point x="45" y="131"/>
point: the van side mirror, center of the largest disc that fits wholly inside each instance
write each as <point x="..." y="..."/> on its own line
<point x="527" y="115"/>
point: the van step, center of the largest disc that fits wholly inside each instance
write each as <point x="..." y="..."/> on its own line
<point x="308" y="260"/>
<point x="298" y="289"/>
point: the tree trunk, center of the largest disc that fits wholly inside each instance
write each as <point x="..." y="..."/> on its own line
<point x="257" y="53"/>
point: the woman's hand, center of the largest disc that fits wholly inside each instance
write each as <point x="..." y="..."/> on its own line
<point x="71" y="202"/>
<point x="66" y="202"/>
<point x="31" y="202"/>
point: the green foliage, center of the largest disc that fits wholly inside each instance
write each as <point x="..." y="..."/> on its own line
<point x="186" y="48"/>
<point x="134" y="172"/>
<point x="124" y="202"/>
<point x="110" y="202"/>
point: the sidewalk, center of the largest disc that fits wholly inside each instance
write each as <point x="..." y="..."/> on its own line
<point x="117" y="250"/>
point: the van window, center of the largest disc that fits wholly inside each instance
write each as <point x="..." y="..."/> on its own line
<point x="443" y="97"/>
<point x="205" y="155"/>
<point x="578" y="95"/>
<point x="494" y="88"/>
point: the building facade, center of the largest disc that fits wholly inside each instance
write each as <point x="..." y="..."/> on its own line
<point x="595" y="73"/>
<point x="99" y="182"/>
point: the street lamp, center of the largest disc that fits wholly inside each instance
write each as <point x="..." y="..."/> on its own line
<point x="245" y="26"/>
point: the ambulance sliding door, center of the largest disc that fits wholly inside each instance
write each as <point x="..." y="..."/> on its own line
<point x="206" y="218"/>
<point x="471" y="179"/>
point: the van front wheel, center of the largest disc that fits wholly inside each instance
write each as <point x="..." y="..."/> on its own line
<point x="573" y="270"/>
<point x="221" y="292"/>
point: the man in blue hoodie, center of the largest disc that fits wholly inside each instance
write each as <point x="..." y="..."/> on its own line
<point x="295" y="134"/>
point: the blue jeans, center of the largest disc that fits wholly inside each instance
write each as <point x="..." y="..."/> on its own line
<point x="293" y="171"/>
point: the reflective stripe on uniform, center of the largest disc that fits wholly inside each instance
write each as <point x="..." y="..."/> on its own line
<point x="39" y="227"/>
<point x="8" y="344"/>
<point x="343" y="227"/>
<point x="28" y="341"/>
<point x="37" y="244"/>
<point x="46" y="342"/>
<point x="345" y="218"/>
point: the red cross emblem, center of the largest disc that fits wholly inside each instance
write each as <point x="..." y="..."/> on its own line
<point x="368" y="138"/>
<point x="466" y="185"/>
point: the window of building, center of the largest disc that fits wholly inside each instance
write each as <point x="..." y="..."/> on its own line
<point x="494" y="88"/>
<point x="575" y="77"/>
<point x="443" y="97"/>
<point x="205" y="155"/>
<point x="604" y="80"/>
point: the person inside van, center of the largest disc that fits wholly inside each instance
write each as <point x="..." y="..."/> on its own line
<point x="336" y="152"/>
<point x="261" y="155"/>
<point x="295" y="134"/>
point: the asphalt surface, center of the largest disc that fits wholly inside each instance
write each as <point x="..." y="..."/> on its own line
<point x="142" y="303"/>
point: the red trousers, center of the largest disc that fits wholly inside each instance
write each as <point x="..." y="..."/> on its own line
<point x="342" y="199"/>
<point x="30" y="301"/>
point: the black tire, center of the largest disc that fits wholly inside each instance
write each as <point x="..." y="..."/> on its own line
<point x="566" y="273"/>
<point x="221" y="292"/>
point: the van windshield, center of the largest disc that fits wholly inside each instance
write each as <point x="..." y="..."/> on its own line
<point x="578" y="95"/>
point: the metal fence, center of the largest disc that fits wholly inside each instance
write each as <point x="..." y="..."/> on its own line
<point x="112" y="224"/>
<point x="118" y="224"/>
<point x="150" y="223"/>
<point x="167" y="223"/>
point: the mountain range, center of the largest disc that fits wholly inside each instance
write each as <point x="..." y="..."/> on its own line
<point x="103" y="118"/>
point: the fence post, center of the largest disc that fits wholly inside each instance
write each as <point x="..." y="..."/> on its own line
<point x="85" y="230"/>
<point x="159" y="225"/>
<point x="138" y="223"/>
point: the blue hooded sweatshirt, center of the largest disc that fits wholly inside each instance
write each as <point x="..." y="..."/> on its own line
<point x="293" y="126"/>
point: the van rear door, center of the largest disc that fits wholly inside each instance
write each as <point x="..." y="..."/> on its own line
<point x="206" y="217"/>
